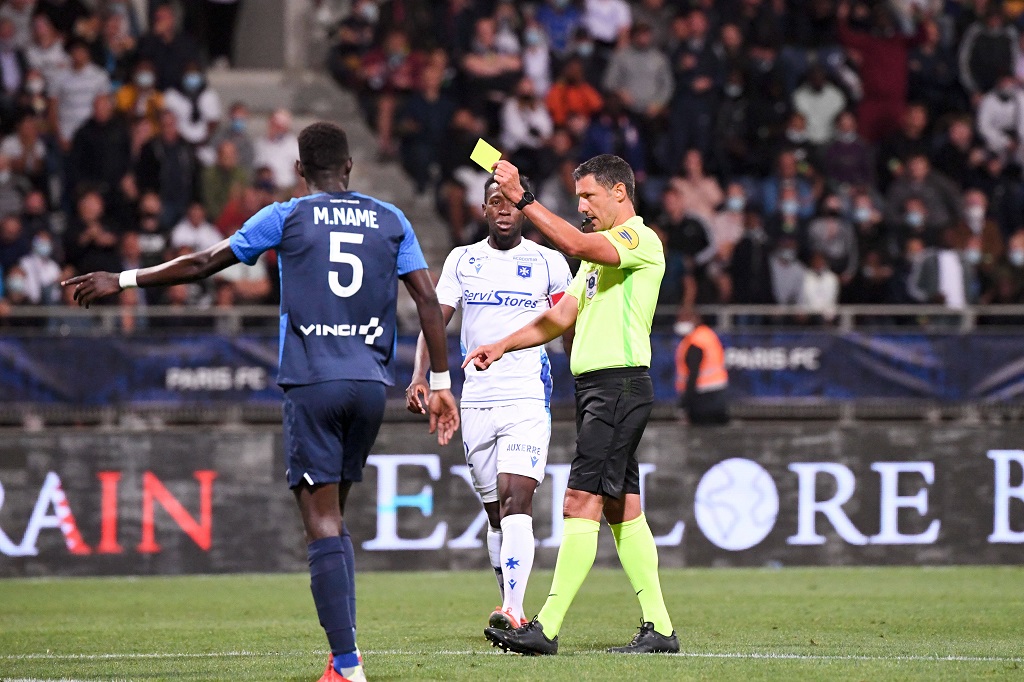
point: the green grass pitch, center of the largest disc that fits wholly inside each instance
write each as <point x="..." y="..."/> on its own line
<point x="735" y="624"/>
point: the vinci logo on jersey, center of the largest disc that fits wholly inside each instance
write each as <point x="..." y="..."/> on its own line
<point x="370" y="331"/>
<point x="511" y="299"/>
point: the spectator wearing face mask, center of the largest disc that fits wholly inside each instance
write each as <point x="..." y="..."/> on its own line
<point x="559" y="20"/>
<point x="734" y="137"/>
<point x="833" y="237"/>
<point x="727" y="224"/>
<point x="936" y="191"/>
<point x="1008" y="277"/>
<point x="167" y="48"/>
<point x="976" y="226"/>
<point x="140" y="98"/>
<point x="42" y="273"/>
<point x="788" y="175"/>
<point x="526" y="126"/>
<point x="787" y="273"/>
<point x="197" y="107"/>
<point x="943" y="276"/>
<point x="786" y="220"/>
<point x="236" y="130"/>
<point x="873" y="233"/>
<point x="14" y="294"/>
<point x="1001" y="120"/>
<point x="536" y="57"/>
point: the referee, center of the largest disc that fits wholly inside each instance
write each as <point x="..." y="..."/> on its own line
<point x="611" y="301"/>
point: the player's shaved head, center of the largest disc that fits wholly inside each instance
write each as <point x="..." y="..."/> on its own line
<point x="323" y="147"/>
<point x="492" y="183"/>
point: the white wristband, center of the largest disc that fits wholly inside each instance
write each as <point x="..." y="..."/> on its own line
<point x="440" y="381"/>
<point x="128" y="279"/>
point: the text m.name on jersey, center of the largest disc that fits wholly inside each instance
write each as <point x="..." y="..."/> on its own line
<point x="355" y="217"/>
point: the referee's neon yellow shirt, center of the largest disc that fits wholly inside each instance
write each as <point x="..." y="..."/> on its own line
<point x="616" y="304"/>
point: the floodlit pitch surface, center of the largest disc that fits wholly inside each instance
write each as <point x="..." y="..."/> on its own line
<point x="962" y="623"/>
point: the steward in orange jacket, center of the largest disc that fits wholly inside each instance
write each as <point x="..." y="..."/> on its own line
<point x="701" y="378"/>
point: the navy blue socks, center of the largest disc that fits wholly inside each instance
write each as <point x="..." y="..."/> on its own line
<point x="330" y="583"/>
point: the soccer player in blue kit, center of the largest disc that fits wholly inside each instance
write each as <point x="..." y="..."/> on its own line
<point x="341" y="255"/>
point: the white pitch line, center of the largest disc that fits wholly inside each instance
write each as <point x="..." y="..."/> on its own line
<point x="398" y="652"/>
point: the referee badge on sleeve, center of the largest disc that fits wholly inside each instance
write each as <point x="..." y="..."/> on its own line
<point x="591" y="284"/>
<point x="626" y="236"/>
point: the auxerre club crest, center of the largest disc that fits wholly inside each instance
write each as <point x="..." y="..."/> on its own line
<point x="524" y="271"/>
<point x="626" y="236"/>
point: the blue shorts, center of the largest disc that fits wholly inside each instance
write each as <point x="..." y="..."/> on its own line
<point x="329" y="429"/>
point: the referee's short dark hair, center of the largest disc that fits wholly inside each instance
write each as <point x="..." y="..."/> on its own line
<point x="609" y="170"/>
<point x="523" y="180"/>
<point x="323" y="146"/>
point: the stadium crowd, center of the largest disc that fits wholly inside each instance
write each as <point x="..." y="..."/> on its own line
<point x="116" y="153"/>
<point x="788" y="151"/>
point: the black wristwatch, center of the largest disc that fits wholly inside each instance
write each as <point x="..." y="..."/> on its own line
<point x="527" y="199"/>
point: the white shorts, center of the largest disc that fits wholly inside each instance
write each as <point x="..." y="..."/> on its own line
<point x="508" y="439"/>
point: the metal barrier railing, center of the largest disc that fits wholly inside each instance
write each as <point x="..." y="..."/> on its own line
<point x="66" y="320"/>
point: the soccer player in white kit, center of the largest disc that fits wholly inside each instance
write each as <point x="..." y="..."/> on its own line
<point x="501" y="284"/>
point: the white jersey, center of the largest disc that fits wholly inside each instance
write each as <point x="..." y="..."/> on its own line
<point x="500" y="292"/>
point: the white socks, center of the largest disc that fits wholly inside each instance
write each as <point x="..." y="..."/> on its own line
<point x="517" y="549"/>
<point x="494" y="543"/>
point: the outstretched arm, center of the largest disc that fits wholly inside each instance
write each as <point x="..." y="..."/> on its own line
<point x="183" y="269"/>
<point x="444" y="414"/>
<point x="548" y="326"/>
<point x="566" y="238"/>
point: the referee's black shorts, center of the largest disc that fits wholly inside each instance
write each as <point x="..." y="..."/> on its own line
<point x="612" y="409"/>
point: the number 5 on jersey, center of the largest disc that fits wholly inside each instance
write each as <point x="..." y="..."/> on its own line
<point x="339" y="256"/>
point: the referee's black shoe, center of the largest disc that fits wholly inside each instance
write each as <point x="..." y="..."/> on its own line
<point x="528" y="639"/>
<point x="647" y="641"/>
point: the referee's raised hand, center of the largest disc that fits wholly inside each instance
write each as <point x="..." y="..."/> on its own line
<point x="507" y="177"/>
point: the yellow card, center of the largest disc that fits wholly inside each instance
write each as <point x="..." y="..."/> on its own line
<point x="484" y="155"/>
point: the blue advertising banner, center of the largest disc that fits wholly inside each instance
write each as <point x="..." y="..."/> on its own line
<point x="209" y="368"/>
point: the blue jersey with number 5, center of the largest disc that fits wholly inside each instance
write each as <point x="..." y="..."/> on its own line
<point x="340" y="256"/>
